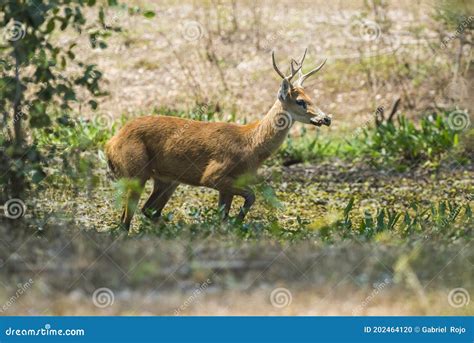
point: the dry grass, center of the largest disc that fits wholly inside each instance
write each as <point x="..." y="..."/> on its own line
<point x="217" y="53"/>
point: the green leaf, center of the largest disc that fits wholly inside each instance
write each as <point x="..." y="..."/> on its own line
<point x="348" y="208"/>
<point x="50" y="26"/>
<point x="101" y="15"/>
<point x="93" y="104"/>
<point x="38" y="176"/>
<point x="149" y="14"/>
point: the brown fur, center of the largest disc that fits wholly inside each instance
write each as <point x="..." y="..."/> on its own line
<point x="173" y="150"/>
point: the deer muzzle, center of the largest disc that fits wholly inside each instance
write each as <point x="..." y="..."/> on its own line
<point x="319" y="120"/>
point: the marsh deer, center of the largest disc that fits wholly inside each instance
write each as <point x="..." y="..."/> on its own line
<point x="173" y="150"/>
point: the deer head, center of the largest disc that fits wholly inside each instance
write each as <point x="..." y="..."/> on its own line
<point x="293" y="98"/>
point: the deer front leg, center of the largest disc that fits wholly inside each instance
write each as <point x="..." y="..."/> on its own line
<point x="249" y="199"/>
<point x="228" y="189"/>
<point x="225" y="202"/>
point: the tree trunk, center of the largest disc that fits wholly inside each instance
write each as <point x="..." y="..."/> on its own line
<point x="17" y="176"/>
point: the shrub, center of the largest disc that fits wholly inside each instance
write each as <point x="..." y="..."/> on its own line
<point x="403" y="144"/>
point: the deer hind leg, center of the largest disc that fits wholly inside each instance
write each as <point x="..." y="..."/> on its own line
<point x="133" y="163"/>
<point x="131" y="202"/>
<point x="162" y="192"/>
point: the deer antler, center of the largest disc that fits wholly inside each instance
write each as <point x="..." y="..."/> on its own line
<point x="302" y="77"/>
<point x="302" y="58"/>
<point x="293" y="70"/>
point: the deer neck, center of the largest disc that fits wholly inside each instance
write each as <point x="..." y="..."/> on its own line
<point x="271" y="131"/>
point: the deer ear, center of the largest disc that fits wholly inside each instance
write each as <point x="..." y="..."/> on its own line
<point x="284" y="90"/>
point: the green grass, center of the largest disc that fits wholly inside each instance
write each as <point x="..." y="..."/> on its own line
<point x="311" y="147"/>
<point x="442" y="221"/>
<point x="397" y="145"/>
<point x="72" y="150"/>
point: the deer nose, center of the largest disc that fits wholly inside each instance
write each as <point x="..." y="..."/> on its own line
<point x="327" y="121"/>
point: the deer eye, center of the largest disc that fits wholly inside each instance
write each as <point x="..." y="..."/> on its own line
<point x="301" y="103"/>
